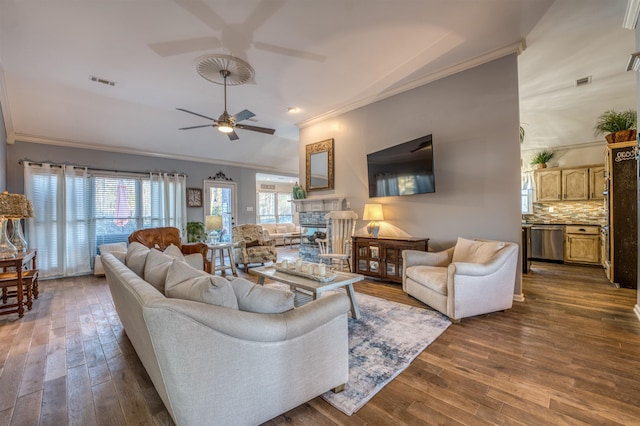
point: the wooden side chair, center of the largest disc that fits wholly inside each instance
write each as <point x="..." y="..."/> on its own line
<point x="336" y="248"/>
<point x="10" y="289"/>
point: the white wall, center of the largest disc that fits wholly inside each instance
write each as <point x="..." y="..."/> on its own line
<point x="474" y="119"/>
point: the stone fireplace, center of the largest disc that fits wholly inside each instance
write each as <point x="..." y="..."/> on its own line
<point x="311" y="213"/>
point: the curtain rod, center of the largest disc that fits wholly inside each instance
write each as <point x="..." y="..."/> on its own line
<point x="96" y="169"/>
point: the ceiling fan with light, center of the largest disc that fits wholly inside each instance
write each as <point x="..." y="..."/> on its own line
<point x="225" y="69"/>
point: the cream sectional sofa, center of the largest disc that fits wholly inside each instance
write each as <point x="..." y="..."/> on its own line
<point x="224" y="364"/>
<point x="279" y="231"/>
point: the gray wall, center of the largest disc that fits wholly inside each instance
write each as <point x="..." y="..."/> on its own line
<point x="196" y="172"/>
<point x="474" y="119"/>
<point x="3" y="153"/>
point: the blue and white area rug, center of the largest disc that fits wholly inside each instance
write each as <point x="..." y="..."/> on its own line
<point x="382" y="344"/>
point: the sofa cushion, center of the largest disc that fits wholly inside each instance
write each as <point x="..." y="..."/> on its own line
<point x="136" y="258"/>
<point x="432" y="277"/>
<point x="472" y="251"/>
<point x="254" y="243"/>
<point x="259" y="299"/>
<point x="157" y="266"/>
<point x="185" y="282"/>
<point x="174" y="251"/>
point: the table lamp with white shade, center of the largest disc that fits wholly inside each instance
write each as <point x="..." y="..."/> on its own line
<point x="213" y="225"/>
<point x="373" y="212"/>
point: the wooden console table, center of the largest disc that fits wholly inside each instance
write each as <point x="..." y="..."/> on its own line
<point x="23" y="278"/>
<point x="382" y="257"/>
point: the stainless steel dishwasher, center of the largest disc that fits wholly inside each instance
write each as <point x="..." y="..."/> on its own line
<point x="547" y="242"/>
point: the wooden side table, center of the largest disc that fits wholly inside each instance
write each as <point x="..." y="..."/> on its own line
<point x="23" y="278"/>
<point x="219" y="249"/>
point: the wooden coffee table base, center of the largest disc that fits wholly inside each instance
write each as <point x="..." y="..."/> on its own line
<point x="316" y="288"/>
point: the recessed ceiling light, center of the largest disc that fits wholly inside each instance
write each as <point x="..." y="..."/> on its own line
<point x="293" y="109"/>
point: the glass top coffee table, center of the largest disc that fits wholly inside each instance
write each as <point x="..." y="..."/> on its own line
<point x="316" y="288"/>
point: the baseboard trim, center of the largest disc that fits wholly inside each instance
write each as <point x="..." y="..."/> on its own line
<point x="518" y="297"/>
<point x="636" y="309"/>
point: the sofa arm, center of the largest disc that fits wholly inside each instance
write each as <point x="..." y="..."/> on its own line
<point x="415" y="257"/>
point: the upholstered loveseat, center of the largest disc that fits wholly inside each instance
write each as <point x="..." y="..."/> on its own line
<point x="280" y="231"/>
<point x="228" y="363"/>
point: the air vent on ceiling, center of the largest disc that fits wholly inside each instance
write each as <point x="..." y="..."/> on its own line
<point x="583" y="81"/>
<point x="102" y="80"/>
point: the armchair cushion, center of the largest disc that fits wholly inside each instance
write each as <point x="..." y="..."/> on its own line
<point x="472" y="251"/>
<point x="181" y="283"/>
<point x="254" y="243"/>
<point x="433" y="277"/>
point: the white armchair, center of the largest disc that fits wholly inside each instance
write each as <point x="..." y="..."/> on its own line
<point x="472" y="278"/>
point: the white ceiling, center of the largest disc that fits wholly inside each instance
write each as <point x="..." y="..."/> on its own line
<point x="323" y="57"/>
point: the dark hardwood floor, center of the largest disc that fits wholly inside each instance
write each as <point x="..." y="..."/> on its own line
<point x="569" y="354"/>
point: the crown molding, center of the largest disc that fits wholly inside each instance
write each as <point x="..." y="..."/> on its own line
<point x="517" y="47"/>
<point x="600" y="142"/>
<point x="631" y="14"/>
<point x="21" y="137"/>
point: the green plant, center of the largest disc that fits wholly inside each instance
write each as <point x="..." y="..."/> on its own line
<point x="195" y="232"/>
<point x="542" y="157"/>
<point x="521" y="134"/>
<point x="612" y="121"/>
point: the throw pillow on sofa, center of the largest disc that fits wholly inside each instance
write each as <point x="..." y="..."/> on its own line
<point x="259" y="299"/>
<point x="157" y="266"/>
<point x="185" y="282"/>
<point x="136" y="258"/>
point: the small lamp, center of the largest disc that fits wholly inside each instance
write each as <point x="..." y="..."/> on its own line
<point x="213" y="224"/>
<point x="12" y="207"/>
<point x="373" y="212"/>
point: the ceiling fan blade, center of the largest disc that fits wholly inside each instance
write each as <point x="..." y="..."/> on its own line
<point x="178" y="47"/>
<point x="255" y="128"/>
<point x="243" y="115"/>
<point x="197" y="127"/>
<point x="233" y="136"/>
<point x="195" y="113"/>
<point x="289" y="52"/>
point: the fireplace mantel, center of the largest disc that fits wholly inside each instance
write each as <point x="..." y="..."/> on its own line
<point x="319" y="204"/>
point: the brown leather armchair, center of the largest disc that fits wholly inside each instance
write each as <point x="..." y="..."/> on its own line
<point x="161" y="238"/>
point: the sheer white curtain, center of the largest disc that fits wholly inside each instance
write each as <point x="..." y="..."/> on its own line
<point x="60" y="228"/>
<point x="168" y="192"/>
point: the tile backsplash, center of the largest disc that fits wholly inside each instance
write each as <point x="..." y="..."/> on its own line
<point x="568" y="212"/>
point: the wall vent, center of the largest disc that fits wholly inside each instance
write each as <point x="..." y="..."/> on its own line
<point x="583" y="81"/>
<point x="102" y="80"/>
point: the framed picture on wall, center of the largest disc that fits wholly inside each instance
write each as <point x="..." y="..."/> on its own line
<point x="194" y="197"/>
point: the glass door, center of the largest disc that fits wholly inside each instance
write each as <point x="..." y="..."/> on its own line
<point x="220" y="200"/>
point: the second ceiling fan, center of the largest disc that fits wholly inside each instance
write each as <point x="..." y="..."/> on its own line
<point x="235" y="71"/>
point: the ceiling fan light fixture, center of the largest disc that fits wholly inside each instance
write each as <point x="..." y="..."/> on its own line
<point x="225" y="128"/>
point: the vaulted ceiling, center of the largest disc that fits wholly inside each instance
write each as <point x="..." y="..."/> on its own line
<point x="323" y="57"/>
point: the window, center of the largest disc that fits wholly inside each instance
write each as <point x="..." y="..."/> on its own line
<point x="526" y="193"/>
<point x="275" y="207"/>
<point x="77" y="210"/>
<point x="121" y="205"/>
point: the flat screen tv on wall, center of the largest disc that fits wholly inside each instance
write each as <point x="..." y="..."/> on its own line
<point x="404" y="169"/>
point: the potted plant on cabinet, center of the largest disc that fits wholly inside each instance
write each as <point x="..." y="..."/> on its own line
<point x="619" y="126"/>
<point x="540" y="159"/>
